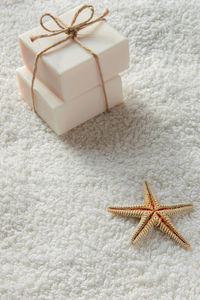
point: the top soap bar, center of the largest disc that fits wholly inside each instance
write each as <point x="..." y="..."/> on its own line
<point x="68" y="70"/>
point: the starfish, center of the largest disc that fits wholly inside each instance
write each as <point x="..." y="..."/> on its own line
<point x="152" y="213"/>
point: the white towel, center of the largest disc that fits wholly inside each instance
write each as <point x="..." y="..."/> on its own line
<point x="57" y="241"/>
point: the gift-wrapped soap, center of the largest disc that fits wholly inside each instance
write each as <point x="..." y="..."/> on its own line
<point x="67" y="69"/>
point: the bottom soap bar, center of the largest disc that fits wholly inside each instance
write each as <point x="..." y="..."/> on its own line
<point x="63" y="116"/>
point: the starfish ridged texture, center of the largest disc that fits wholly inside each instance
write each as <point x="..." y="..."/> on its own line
<point x="153" y="213"/>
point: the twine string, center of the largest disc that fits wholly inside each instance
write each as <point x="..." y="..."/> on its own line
<point x="71" y="32"/>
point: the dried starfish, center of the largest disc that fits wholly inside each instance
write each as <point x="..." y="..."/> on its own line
<point x="152" y="213"/>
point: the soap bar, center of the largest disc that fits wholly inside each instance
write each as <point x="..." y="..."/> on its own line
<point x="68" y="70"/>
<point x="62" y="116"/>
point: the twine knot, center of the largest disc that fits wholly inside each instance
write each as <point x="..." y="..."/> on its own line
<point x="71" y="31"/>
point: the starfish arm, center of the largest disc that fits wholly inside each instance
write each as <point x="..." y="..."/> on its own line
<point x="149" y="198"/>
<point x="166" y="226"/>
<point x="129" y="211"/>
<point x="143" y="227"/>
<point x="175" y="209"/>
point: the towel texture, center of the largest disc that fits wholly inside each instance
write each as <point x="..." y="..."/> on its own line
<point x="56" y="240"/>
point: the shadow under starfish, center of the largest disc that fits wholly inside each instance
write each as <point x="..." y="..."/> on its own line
<point x="153" y="213"/>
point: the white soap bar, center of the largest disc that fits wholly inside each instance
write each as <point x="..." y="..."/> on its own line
<point x="68" y="70"/>
<point x="62" y="116"/>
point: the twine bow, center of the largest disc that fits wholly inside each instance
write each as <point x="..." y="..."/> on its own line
<point x="71" y="31"/>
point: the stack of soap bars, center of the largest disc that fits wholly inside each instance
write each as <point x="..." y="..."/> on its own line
<point x="67" y="88"/>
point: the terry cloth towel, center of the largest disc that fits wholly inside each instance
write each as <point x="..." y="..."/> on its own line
<point x="57" y="241"/>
